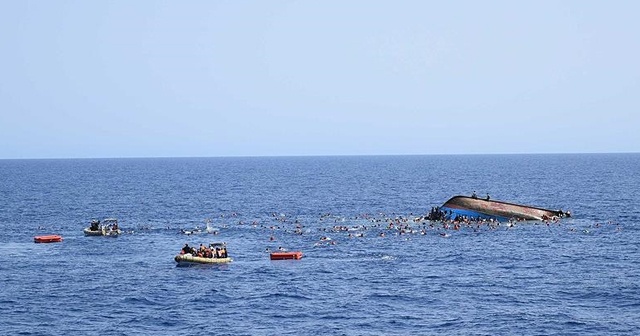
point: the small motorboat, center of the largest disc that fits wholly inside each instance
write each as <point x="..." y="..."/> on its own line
<point x="48" y="239"/>
<point x="215" y="253"/>
<point x="108" y="227"/>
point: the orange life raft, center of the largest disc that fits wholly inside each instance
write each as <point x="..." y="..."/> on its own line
<point x="47" y="239"/>
<point x="286" y="255"/>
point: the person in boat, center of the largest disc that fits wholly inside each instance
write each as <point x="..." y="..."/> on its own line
<point x="186" y="249"/>
<point x="95" y="225"/>
<point x="488" y="197"/>
<point x="114" y="227"/>
<point x="201" y="251"/>
<point x="474" y="195"/>
<point x="220" y="252"/>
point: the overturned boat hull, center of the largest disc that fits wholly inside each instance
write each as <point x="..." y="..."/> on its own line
<point x="478" y="208"/>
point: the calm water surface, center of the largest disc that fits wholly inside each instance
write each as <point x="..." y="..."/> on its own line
<point x="579" y="276"/>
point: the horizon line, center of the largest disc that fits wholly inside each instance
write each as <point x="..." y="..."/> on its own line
<point x="308" y="155"/>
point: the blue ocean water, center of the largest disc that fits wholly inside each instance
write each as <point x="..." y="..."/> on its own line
<point x="576" y="277"/>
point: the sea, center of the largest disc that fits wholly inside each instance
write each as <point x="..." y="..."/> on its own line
<point x="371" y="264"/>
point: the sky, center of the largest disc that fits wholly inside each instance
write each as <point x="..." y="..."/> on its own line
<point x="93" y="79"/>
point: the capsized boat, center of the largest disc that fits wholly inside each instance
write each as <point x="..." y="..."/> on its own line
<point x="479" y="208"/>
<point x="215" y="253"/>
<point x="108" y="227"/>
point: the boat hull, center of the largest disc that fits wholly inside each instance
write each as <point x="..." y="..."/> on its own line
<point x="102" y="232"/>
<point x="497" y="210"/>
<point x="187" y="259"/>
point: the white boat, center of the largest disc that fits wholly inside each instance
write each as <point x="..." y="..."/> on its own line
<point x="108" y="227"/>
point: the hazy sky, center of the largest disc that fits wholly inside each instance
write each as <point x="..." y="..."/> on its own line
<point x="244" y="78"/>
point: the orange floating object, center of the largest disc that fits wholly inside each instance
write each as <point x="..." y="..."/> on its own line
<point x="286" y="255"/>
<point x="47" y="239"/>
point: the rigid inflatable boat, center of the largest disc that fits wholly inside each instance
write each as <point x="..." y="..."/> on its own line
<point x="215" y="253"/>
<point x="108" y="227"/>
